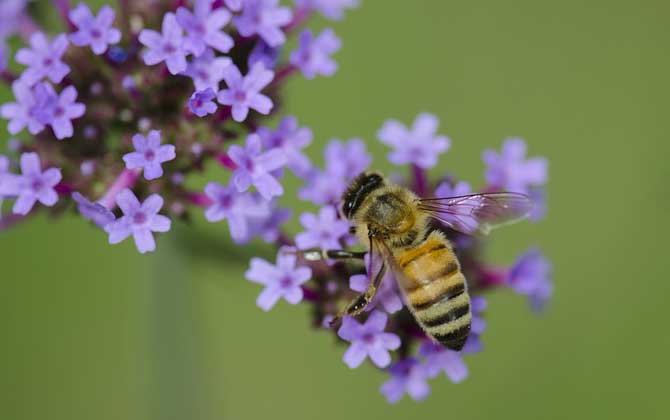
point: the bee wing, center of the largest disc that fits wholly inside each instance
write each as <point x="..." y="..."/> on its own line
<point x="478" y="213"/>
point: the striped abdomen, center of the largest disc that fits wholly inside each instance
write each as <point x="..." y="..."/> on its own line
<point x="435" y="290"/>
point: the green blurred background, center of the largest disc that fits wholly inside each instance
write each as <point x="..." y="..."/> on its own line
<point x="93" y="331"/>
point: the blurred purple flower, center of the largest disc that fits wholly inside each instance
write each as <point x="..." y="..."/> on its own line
<point x="281" y="280"/>
<point x="202" y="103"/>
<point x="323" y="231"/>
<point x="255" y="167"/>
<point x="407" y="376"/>
<point x="478" y="305"/>
<point x="4" y="169"/>
<point x="439" y="359"/>
<point x="44" y="59"/>
<point x="387" y="294"/>
<point x="3" y="55"/>
<point x="265" y="54"/>
<point x="446" y="189"/>
<point x="95" y="31"/>
<point x="368" y="340"/>
<point x="234" y="5"/>
<point x="418" y="145"/>
<point x="313" y="54"/>
<point x="32" y="185"/>
<point x="240" y="209"/>
<point x="60" y="110"/>
<point x="531" y="276"/>
<point x="167" y="46"/>
<point x="265" y="18"/>
<point x="466" y="223"/>
<point x="149" y="154"/>
<point x="95" y="212"/>
<point x="28" y="108"/>
<point x="331" y="9"/>
<point x="204" y="27"/>
<point x="11" y="12"/>
<point x="322" y="188"/>
<point x="243" y="93"/>
<point x="511" y="171"/>
<point x="207" y="70"/>
<point x="539" y="197"/>
<point x="290" y="139"/>
<point x="138" y="220"/>
<point x="269" y="228"/>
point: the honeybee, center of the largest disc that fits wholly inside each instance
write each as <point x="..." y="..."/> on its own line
<point x="395" y="224"/>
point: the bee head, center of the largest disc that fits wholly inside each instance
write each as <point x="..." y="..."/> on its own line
<point x="359" y="188"/>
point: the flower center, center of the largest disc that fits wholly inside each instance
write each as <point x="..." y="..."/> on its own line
<point x="197" y="103"/>
<point x="202" y="74"/>
<point x="95" y="33"/>
<point x="139" y="218"/>
<point x="47" y="62"/>
<point x="240" y="96"/>
<point x="226" y="201"/>
<point x="285" y="282"/>
<point x="37" y="184"/>
<point x="169" y="48"/>
<point x="368" y="338"/>
<point x="149" y="155"/>
<point x="59" y="112"/>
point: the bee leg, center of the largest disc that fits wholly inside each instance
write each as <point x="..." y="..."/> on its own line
<point x="360" y="302"/>
<point x="334" y="254"/>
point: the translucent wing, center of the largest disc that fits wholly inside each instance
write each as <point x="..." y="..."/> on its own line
<point x="478" y="213"/>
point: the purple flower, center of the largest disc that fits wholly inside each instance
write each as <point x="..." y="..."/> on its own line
<point x="407" y="376"/>
<point x="240" y="209"/>
<point x="202" y="103"/>
<point x="313" y="54"/>
<point x="323" y="231"/>
<point x="44" y="59"/>
<point x="207" y="70"/>
<point x="95" y="212"/>
<point x="440" y="359"/>
<point x="265" y="18"/>
<point x="3" y="55"/>
<point x="531" y="275"/>
<point x="139" y="220"/>
<point x="478" y="305"/>
<point x="168" y="46"/>
<point x="265" y="54"/>
<point x="95" y="31"/>
<point x="234" y="5"/>
<point x="331" y="9"/>
<point x="149" y="154"/>
<point x="60" y="110"/>
<point x="539" y="197"/>
<point x="269" y="228"/>
<point x="281" y="280"/>
<point x="511" y="171"/>
<point x="4" y="169"/>
<point x="387" y="294"/>
<point x="346" y="159"/>
<point x="11" y="14"/>
<point x="290" y="139"/>
<point x="446" y="189"/>
<point x="255" y="167"/>
<point x="243" y="93"/>
<point x="204" y="27"/>
<point x="322" y="188"/>
<point x="418" y="145"/>
<point x="368" y="340"/>
<point x="32" y="185"/>
<point x="464" y="222"/>
<point x="28" y="108"/>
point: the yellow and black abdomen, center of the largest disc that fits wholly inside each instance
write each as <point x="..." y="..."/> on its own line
<point x="435" y="290"/>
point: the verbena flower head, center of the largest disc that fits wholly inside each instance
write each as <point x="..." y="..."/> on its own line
<point x="530" y="276"/>
<point x="510" y="170"/>
<point x="282" y="280"/>
<point x="255" y="167"/>
<point x="149" y="154"/>
<point x="418" y="145"/>
<point x="368" y="340"/>
<point x="96" y="31"/>
<point x="265" y="18"/>
<point x="331" y="9"/>
<point x="167" y="46"/>
<point x="243" y="93"/>
<point x="44" y="59"/>
<point x="313" y="55"/>
<point x="32" y="186"/>
<point x="204" y="27"/>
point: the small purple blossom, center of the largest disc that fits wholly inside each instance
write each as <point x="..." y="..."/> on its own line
<point x="407" y="376"/>
<point x="207" y="70"/>
<point x="322" y="187"/>
<point x="331" y="9"/>
<point x="263" y="53"/>
<point x="255" y="167"/>
<point x="281" y="280"/>
<point x="478" y="305"/>
<point x="387" y="294"/>
<point x="167" y="46"/>
<point x="417" y="145"/>
<point x="138" y="220"/>
<point x="531" y="276"/>
<point x="313" y="54"/>
<point x="32" y="185"/>
<point x="44" y="59"/>
<point x="95" y="212"/>
<point x="4" y="169"/>
<point x="290" y="138"/>
<point x="446" y="189"/>
<point x="243" y="93"/>
<point x="95" y="31"/>
<point x="60" y="110"/>
<point x="204" y="27"/>
<point x="202" y="103"/>
<point x="368" y="340"/>
<point x="11" y="13"/>
<point x="240" y="209"/>
<point x="439" y="359"/>
<point x="265" y="18"/>
<point x="466" y="222"/>
<point x="324" y="230"/>
<point x="269" y="228"/>
<point x="511" y="171"/>
<point x="27" y="111"/>
<point x="234" y="5"/>
<point x="149" y="154"/>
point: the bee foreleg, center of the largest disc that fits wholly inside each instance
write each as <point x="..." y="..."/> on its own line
<point x="360" y="302"/>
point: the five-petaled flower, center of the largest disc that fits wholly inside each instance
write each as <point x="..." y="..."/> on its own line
<point x="204" y="27"/>
<point x="313" y="54"/>
<point x="440" y="359"/>
<point x="44" y="59"/>
<point x="32" y="185"/>
<point x="255" y="167"/>
<point x="167" y="46"/>
<point x="531" y="275"/>
<point x="511" y="171"/>
<point x="95" y="31"/>
<point x="368" y="340"/>
<point x="243" y="93"/>
<point x="407" y="376"/>
<point x="60" y="109"/>
<point x="265" y="18"/>
<point x="138" y="220"/>
<point x="417" y="145"/>
<point x="27" y="111"/>
<point x="290" y="139"/>
<point x="324" y="230"/>
<point x="149" y="154"/>
<point x="207" y="70"/>
<point x="284" y="279"/>
<point x="202" y="103"/>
